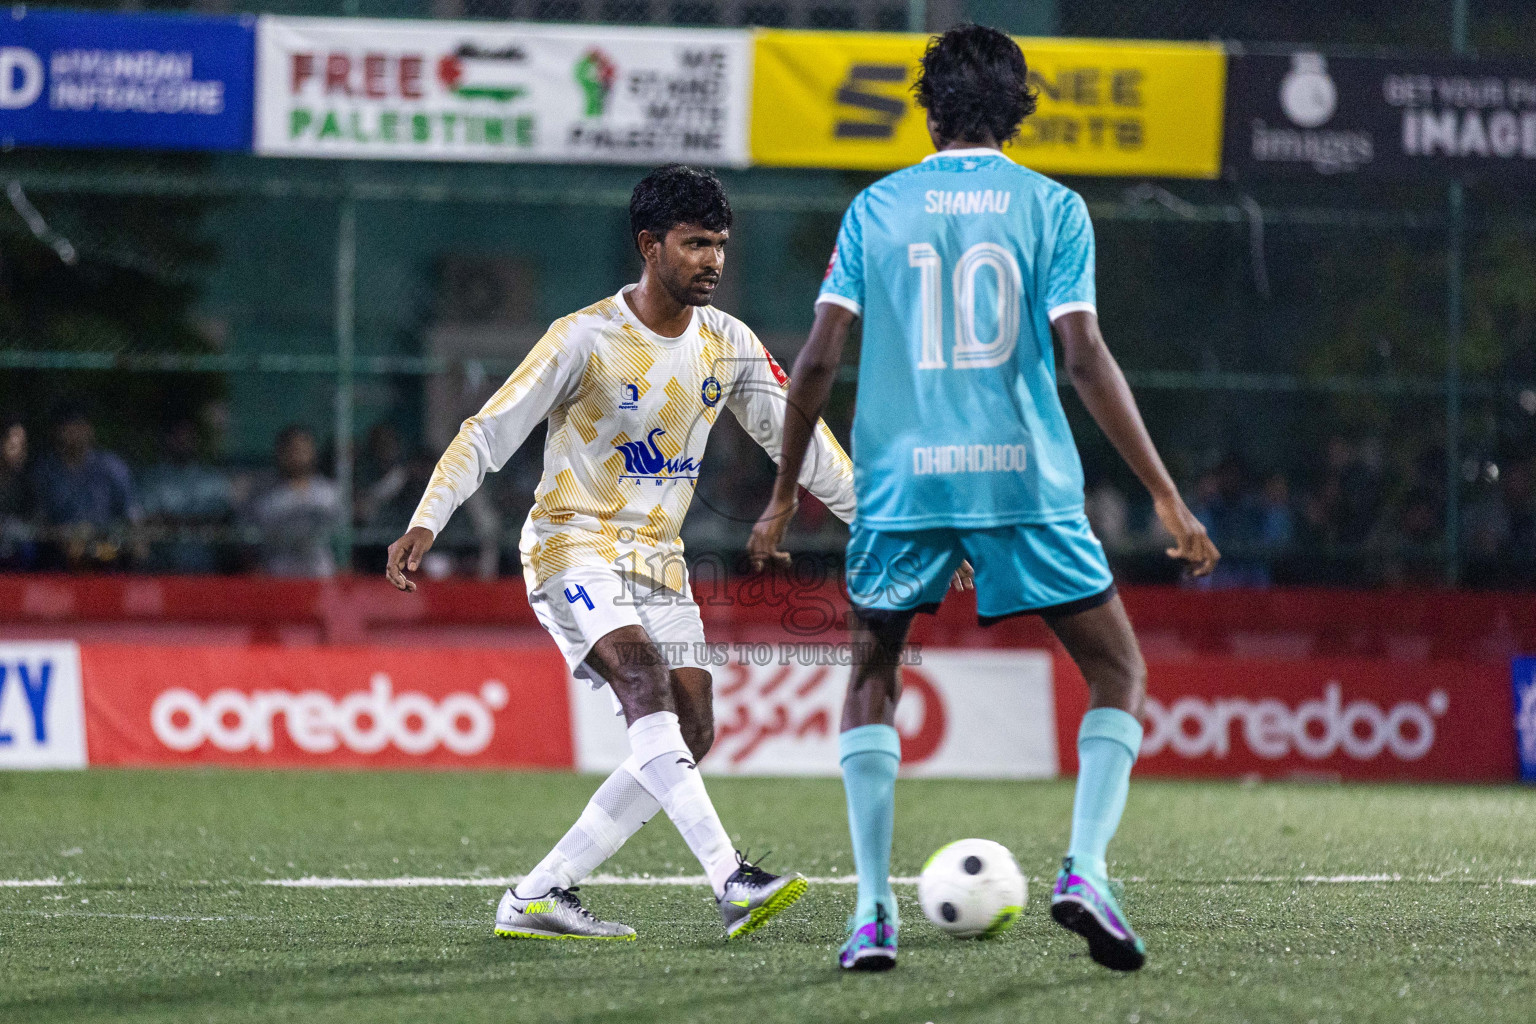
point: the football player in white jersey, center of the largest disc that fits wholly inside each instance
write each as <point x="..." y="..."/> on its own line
<point x="631" y="386"/>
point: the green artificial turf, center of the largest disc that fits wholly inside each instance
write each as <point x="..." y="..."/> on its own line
<point x="163" y="915"/>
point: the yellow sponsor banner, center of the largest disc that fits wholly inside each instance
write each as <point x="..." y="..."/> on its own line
<point x="844" y="99"/>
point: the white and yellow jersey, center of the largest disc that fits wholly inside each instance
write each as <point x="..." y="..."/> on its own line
<point x="629" y="415"/>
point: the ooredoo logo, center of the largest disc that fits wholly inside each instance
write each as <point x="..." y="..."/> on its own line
<point x="1316" y="729"/>
<point x="363" y="721"/>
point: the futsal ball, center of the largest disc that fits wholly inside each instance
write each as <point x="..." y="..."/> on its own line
<point x="972" y="888"/>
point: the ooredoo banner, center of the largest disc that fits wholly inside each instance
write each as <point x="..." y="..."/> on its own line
<point x="844" y="99"/>
<point x="140" y="81"/>
<point x="445" y="90"/>
<point x="319" y="708"/>
<point x="963" y="714"/>
<point x="1349" y="719"/>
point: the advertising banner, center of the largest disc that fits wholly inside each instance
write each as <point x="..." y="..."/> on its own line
<point x="1006" y="714"/>
<point x="1348" y="719"/>
<point x="443" y="90"/>
<point x="963" y="714"/>
<point x="1307" y="114"/>
<point x="1524" y="673"/>
<point x="125" y="81"/>
<point x="844" y="99"/>
<point x="326" y="707"/>
<point x="41" y="721"/>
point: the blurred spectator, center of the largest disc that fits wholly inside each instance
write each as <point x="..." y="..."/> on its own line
<point x="1233" y="516"/>
<point x="1485" y="524"/>
<point x="1109" y="513"/>
<point x="85" y="495"/>
<point x="1277" y="520"/>
<point x="1346" y="500"/>
<point x="1499" y="526"/>
<point x="1519" y="484"/>
<point x="17" y="549"/>
<point x="297" y="515"/>
<point x="184" y="494"/>
<point x="390" y="485"/>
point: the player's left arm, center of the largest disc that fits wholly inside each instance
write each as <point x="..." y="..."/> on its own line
<point x="1102" y="386"/>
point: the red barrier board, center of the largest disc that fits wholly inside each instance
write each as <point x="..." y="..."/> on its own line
<point x="326" y="707"/>
<point x="1343" y="718"/>
<point x="1293" y="623"/>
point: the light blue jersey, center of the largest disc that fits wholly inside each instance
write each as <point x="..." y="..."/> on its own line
<point x="957" y="266"/>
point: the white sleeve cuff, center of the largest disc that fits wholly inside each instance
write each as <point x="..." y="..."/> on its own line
<point x="840" y="300"/>
<point x="1057" y="312"/>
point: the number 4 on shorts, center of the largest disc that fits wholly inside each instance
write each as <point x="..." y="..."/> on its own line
<point x="580" y="595"/>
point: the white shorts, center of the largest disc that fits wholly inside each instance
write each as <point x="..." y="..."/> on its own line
<point x="580" y="606"/>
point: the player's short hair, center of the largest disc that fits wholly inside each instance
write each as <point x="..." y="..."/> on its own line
<point x="677" y="194"/>
<point x="974" y="83"/>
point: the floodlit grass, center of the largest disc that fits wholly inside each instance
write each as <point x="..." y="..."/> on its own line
<point x="164" y="914"/>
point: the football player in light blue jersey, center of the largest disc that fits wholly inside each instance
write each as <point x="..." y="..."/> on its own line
<point x="962" y="268"/>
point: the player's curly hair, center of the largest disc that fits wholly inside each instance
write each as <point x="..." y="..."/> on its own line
<point x="677" y="194"/>
<point x="974" y="84"/>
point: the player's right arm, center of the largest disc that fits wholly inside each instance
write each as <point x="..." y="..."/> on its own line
<point x="1101" y="385"/>
<point x="547" y="377"/>
<point x="1071" y="305"/>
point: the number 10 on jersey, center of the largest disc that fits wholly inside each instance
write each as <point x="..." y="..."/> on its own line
<point x="970" y="351"/>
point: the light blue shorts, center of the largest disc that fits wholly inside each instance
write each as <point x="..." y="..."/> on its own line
<point x="1051" y="568"/>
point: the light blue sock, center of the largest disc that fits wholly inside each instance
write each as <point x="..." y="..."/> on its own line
<point x="870" y="755"/>
<point x="1107" y="745"/>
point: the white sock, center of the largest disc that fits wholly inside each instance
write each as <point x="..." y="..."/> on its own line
<point x="667" y="771"/>
<point x="615" y="812"/>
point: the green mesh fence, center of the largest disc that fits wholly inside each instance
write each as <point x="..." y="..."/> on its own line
<point x="1288" y="343"/>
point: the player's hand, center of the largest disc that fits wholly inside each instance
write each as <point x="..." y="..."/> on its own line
<point x="964" y="578"/>
<point x="405" y="556"/>
<point x="1191" y="544"/>
<point x="768" y="534"/>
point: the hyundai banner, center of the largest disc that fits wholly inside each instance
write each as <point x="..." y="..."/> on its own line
<point x="1305" y="114"/>
<point x="125" y="81"/>
<point x="443" y="90"/>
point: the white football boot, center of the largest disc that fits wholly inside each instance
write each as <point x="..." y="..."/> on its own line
<point x="557" y="914"/>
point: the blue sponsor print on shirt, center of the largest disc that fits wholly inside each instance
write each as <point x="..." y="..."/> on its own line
<point x="629" y="397"/>
<point x="643" y="460"/>
<point x="710" y="392"/>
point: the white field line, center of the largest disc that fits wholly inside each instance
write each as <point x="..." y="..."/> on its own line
<point x="312" y="882"/>
<point x="437" y="882"/>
